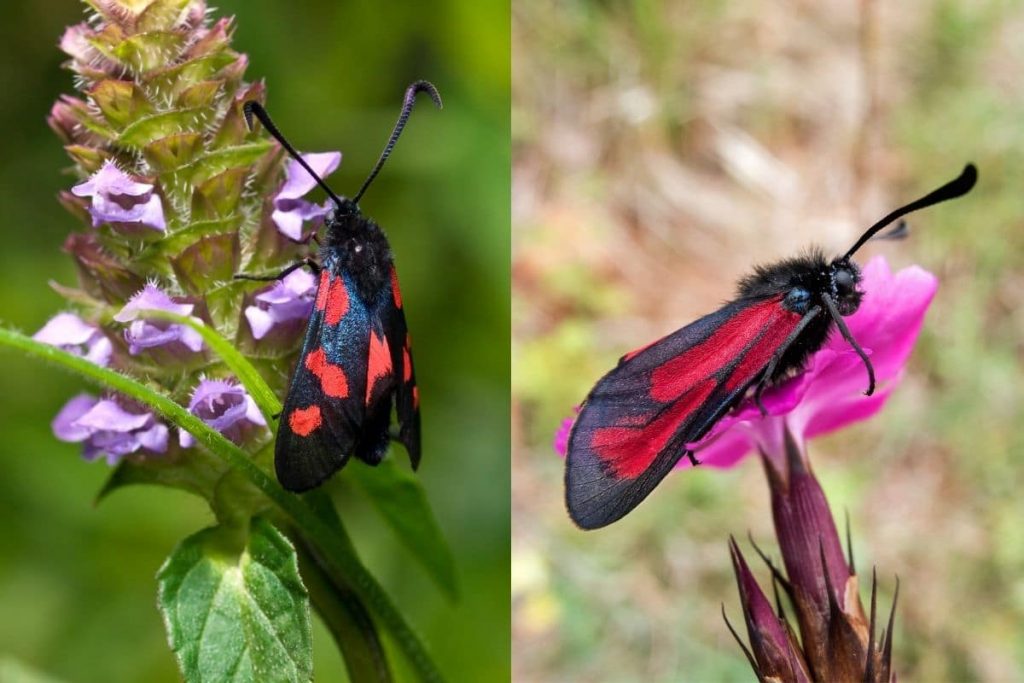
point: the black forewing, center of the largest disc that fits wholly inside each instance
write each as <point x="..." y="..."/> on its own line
<point x="635" y="423"/>
<point x="407" y="406"/>
<point x="304" y="461"/>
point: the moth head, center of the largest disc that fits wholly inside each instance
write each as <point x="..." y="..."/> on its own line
<point x="845" y="276"/>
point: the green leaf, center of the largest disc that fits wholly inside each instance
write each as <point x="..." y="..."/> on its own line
<point x="146" y="51"/>
<point x="13" y="671"/>
<point x="238" y="156"/>
<point x="347" y="618"/>
<point x="399" y="497"/>
<point x="120" y="102"/>
<point x="199" y="475"/>
<point x="148" y="129"/>
<point x="237" y="615"/>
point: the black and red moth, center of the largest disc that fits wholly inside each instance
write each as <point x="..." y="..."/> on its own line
<point x="635" y="424"/>
<point x="356" y="359"/>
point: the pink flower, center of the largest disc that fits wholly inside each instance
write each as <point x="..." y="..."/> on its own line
<point x="829" y="393"/>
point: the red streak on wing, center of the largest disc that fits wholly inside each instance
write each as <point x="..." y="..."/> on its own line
<point x="321" y="290"/>
<point x="406" y="365"/>
<point x="337" y="301"/>
<point x="758" y="356"/>
<point x="395" y="292"/>
<point x="675" y="377"/>
<point x="415" y="398"/>
<point x="304" y="421"/>
<point x="631" y="450"/>
<point x="378" y="363"/>
<point x="332" y="377"/>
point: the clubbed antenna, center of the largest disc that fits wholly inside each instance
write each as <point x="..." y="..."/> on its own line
<point x="253" y="108"/>
<point x="403" y="118"/>
<point x="957" y="187"/>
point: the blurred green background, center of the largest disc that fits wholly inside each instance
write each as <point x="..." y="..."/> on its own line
<point x="661" y="148"/>
<point x="77" y="589"/>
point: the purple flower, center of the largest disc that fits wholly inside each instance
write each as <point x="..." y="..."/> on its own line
<point x="106" y="428"/>
<point x="69" y="332"/>
<point x="226" y="407"/>
<point x="290" y="299"/>
<point x="145" y="334"/>
<point x="828" y="394"/>
<point x="290" y="210"/>
<point x="117" y="198"/>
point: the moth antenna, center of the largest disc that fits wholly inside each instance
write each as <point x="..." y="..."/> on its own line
<point x="845" y="331"/>
<point x="957" y="187"/>
<point x="253" y="108"/>
<point x="403" y="118"/>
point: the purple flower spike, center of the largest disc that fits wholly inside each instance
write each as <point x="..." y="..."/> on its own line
<point x="116" y="198"/>
<point x="829" y="393"/>
<point x="143" y="334"/>
<point x="69" y="332"/>
<point x="290" y="210"/>
<point x="226" y="407"/>
<point x="289" y="300"/>
<point x="106" y="428"/>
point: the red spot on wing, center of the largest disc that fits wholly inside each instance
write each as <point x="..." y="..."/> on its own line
<point x="395" y="292"/>
<point x="378" y="363"/>
<point x="304" y="421"/>
<point x="630" y="450"/>
<point x="678" y="375"/>
<point x="321" y="290"/>
<point x="337" y="301"/>
<point x="332" y="377"/>
<point x="415" y="398"/>
<point x="406" y="364"/>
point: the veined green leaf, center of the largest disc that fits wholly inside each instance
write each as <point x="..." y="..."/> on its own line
<point x="237" y="615"/>
<point x="399" y="497"/>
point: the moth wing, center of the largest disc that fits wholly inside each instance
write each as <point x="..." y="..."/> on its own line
<point x="407" y="402"/>
<point x="635" y="423"/>
<point x="324" y="415"/>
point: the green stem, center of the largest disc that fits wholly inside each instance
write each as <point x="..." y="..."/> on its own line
<point x="333" y="544"/>
<point x="345" y="616"/>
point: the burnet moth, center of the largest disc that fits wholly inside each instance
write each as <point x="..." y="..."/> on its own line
<point x="637" y="421"/>
<point x="356" y="359"/>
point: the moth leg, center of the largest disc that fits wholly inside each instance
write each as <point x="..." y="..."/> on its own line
<point x="779" y="353"/>
<point x="845" y="331"/>
<point x="304" y="263"/>
<point x="691" y="457"/>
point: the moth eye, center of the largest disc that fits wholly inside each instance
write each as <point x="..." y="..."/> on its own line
<point x="844" y="280"/>
<point x="797" y="300"/>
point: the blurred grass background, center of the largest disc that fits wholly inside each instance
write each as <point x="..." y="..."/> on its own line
<point x="661" y="148"/>
<point x="77" y="589"/>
